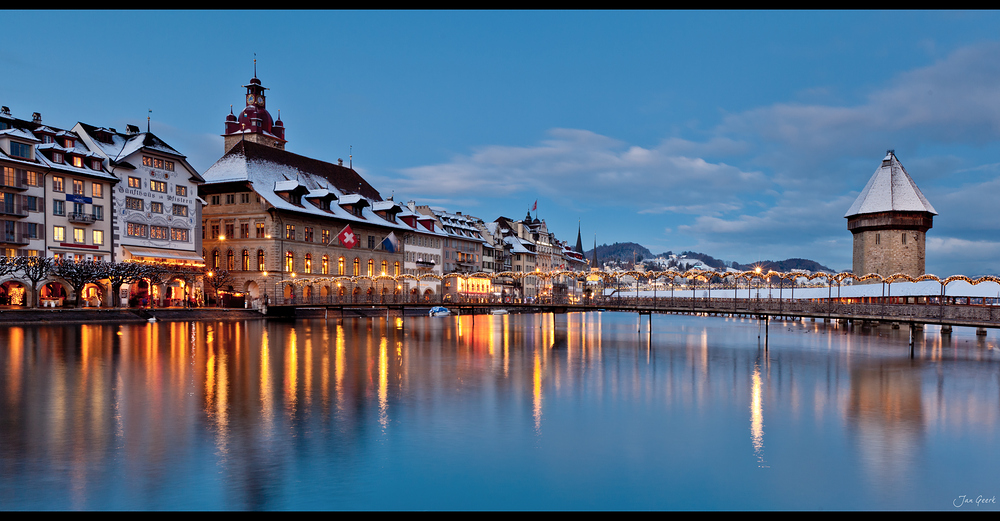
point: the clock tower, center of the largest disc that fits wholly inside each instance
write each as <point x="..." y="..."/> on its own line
<point x="254" y="123"/>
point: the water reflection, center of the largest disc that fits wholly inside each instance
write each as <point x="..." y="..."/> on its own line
<point x="557" y="411"/>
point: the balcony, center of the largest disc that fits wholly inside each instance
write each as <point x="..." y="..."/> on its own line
<point x="80" y="218"/>
<point x="14" y="238"/>
<point x="16" y="210"/>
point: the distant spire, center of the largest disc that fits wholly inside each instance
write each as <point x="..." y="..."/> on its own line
<point x="595" y="251"/>
<point x="579" y="239"/>
<point x="254" y="65"/>
<point x="147" y="119"/>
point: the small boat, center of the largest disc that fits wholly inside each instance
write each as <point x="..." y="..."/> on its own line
<point x="499" y="312"/>
<point x="439" y="311"/>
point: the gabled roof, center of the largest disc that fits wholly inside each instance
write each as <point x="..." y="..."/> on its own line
<point x="890" y="190"/>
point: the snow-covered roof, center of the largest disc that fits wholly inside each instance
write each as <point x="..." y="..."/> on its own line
<point x="19" y="133"/>
<point x="890" y="189"/>
<point x="124" y="145"/>
<point x="268" y="169"/>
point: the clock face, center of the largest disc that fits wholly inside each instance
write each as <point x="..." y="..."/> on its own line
<point x="260" y="99"/>
<point x="249" y="99"/>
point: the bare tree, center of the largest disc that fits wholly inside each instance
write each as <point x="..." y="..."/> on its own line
<point x="78" y="274"/>
<point x="119" y="274"/>
<point x="218" y="280"/>
<point x="35" y="269"/>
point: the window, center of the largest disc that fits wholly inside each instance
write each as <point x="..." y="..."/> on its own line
<point x="33" y="179"/>
<point x="309" y="234"/>
<point x="230" y="199"/>
<point x="57" y="184"/>
<point x="395" y="269"/>
<point x="34" y="204"/>
<point x="260" y="230"/>
<point x="229" y="230"/>
<point x="215" y="231"/>
<point x="904" y="239"/>
<point x="309" y="263"/>
<point x="326" y="265"/>
<point x="244" y="230"/>
<point x="95" y="164"/>
<point x="78" y="162"/>
<point x="134" y="182"/>
<point x="156" y="207"/>
<point x="98" y="237"/>
<point x="77" y="187"/>
<point x="59" y="233"/>
<point x="371" y="268"/>
<point x="385" y="267"/>
<point x="326" y="236"/>
<point x="133" y="203"/>
<point x="215" y="259"/>
<point x="158" y="186"/>
<point x="357" y="266"/>
<point x="159" y="232"/>
<point x="181" y="190"/>
<point x="371" y="242"/>
<point x="79" y="236"/>
<point x="340" y="266"/>
<point x="244" y="198"/>
<point x="215" y="200"/>
<point x="290" y="232"/>
<point x="289" y="261"/>
<point x="136" y="230"/>
<point x="179" y="234"/>
<point x="97" y="189"/>
<point x="168" y="165"/>
<point x="230" y="258"/>
<point x="20" y="150"/>
<point x="246" y="260"/>
<point x="180" y="210"/>
<point x="261" y="266"/>
<point x="78" y="208"/>
<point x="58" y="207"/>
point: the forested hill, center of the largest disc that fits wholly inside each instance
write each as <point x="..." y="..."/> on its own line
<point x="627" y="252"/>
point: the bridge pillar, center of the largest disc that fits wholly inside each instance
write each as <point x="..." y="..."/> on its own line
<point x="946" y="330"/>
<point x="980" y="331"/>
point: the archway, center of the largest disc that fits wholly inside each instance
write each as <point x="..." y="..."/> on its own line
<point x="52" y="294"/>
<point x="252" y="288"/>
<point x="13" y="293"/>
<point x="93" y="295"/>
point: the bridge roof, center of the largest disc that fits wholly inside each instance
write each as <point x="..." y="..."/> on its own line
<point x="890" y="190"/>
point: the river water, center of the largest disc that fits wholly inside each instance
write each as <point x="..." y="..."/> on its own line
<point x="576" y="411"/>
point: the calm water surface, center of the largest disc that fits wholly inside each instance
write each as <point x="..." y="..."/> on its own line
<point x="577" y="411"/>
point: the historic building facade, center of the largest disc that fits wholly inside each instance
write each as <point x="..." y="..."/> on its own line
<point x="288" y="226"/>
<point x="889" y="220"/>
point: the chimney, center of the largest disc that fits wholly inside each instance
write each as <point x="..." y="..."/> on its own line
<point x="36" y="117"/>
<point x="5" y="110"/>
<point x="340" y="162"/>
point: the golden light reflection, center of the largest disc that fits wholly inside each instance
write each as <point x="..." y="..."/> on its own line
<point x="757" y="417"/>
<point x="15" y="361"/>
<point x="339" y="367"/>
<point x="266" y="384"/>
<point x="291" y="383"/>
<point x="383" y="383"/>
<point x="536" y="401"/>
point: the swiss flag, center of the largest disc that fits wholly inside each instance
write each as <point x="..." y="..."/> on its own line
<point x="347" y="237"/>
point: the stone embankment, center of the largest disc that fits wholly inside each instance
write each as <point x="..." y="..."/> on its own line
<point x="12" y="317"/>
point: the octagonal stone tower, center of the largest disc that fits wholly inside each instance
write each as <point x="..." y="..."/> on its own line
<point x="889" y="221"/>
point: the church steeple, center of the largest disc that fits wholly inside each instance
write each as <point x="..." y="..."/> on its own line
<point x="579" y="240"/>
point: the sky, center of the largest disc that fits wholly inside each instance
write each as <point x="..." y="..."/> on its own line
<point x="744" y="135"/>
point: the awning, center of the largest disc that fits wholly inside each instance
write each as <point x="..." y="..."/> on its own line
<point x="161" y="253"/>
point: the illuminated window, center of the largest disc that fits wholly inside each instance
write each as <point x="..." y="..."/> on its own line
<point x="260" y="260"/>
<point x="357" y="266"/>
<point x="309" y="263"/>
<point x="371" y="267"/>
<point x="395" y="269"/>
<point x="326" y="265"/>
<point x="181" y="190"/>
<point x="326" y="236"/>
<point x="260" y="230"/>
<point x="59" y="233"/>
<point x="79" y="236"/>
<point x="134" y="182"/>
<point x="133" y="204"/>
<point x="215" y="259"/>
<point x="97" y="189"/>
<point x="246" y="260"/>
<point x="156" y="207"/>
<point x="57" y="184"/>
<point x="385" y="267"/>
<point x="230" y="261"/>
<point x="340" y="266"/>
<point x="289" y="261"/>
<point x="77" y="187"/>
<point x="158" y="186"/>
<point x="290" y="232"/>
<point x="98" y="237"/>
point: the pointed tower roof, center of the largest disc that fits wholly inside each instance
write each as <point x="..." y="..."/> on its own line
<point x="579" y="240"/>
<point x="890" y="190"/>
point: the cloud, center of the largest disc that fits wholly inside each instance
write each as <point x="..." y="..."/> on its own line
<point x="580" y="165"/>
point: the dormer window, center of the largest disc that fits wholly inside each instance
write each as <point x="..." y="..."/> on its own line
<point x="95" y="164"/>
<point x="57" y="157"/>
<point x="21" y="150"/>
<point x="68" y="143"/>
<point x="78" y="162"/>
<point x="47" y="139"/>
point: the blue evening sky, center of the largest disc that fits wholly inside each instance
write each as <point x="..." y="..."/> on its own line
<point x="745" y="135"/>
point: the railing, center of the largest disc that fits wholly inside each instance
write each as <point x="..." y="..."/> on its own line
<point x="81" y="218"/>
<point x="937" y="312"/>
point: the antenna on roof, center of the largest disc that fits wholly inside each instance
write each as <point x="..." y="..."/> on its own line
<point x="147" y="119"/>
<point x="254" y="65"/>
<point x="350" y="157"/>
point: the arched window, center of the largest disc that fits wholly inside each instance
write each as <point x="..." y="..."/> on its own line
<point x="395" y="269"/>
<point x="289" y="261"/>
<point x="215" y="259"/>
<point x="261" y="265"/>
<point x="230" y="261"/>
<point x="246" y="260"/>
<point x="326" y="265"/>
<point x="371" y="267"/>
<point x="357" y="266"/>
<point x="309" y="263"/>
<point x="340" y="266"/>
<point x="385" y="267"/>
